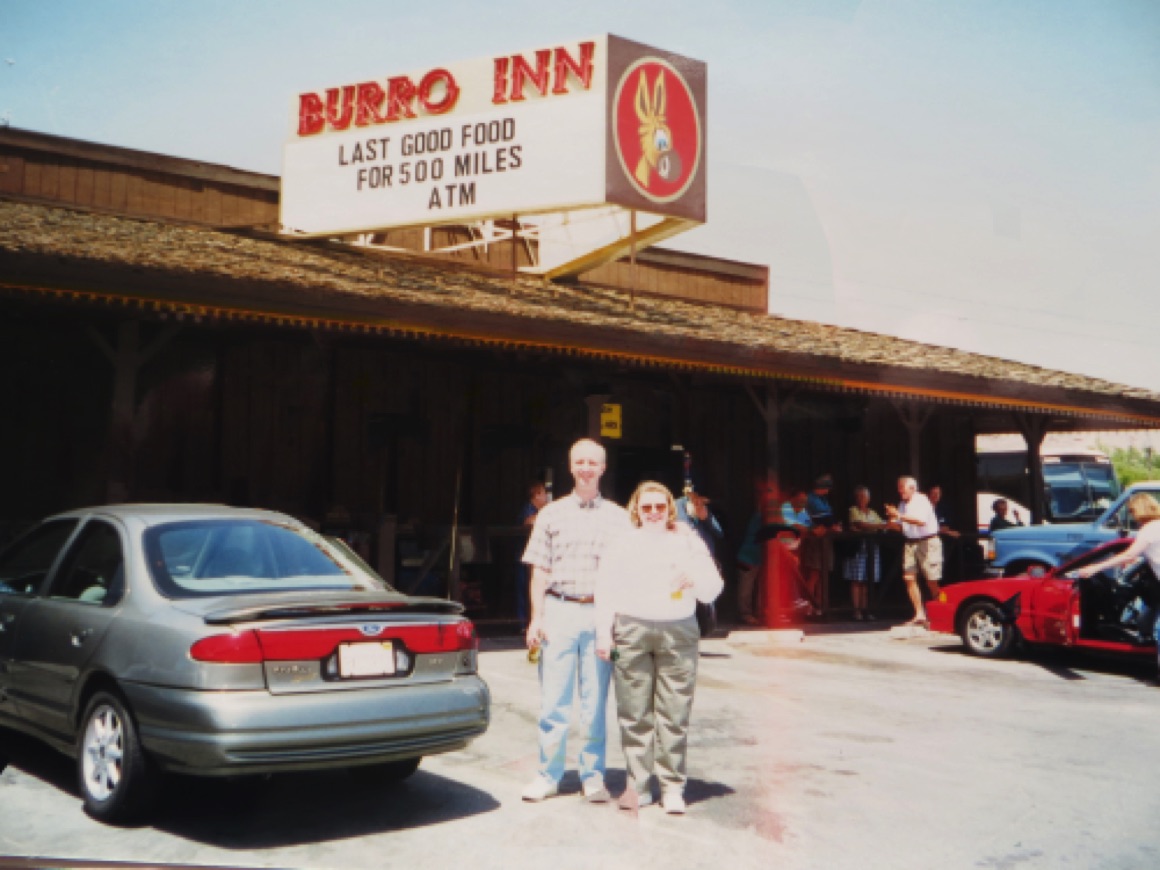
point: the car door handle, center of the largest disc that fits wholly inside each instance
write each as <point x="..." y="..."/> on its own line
<point x="79" y="637"/>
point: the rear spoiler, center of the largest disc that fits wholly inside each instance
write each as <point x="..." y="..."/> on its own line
<point x="228" y="615"/>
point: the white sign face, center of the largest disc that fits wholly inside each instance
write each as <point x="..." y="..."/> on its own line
<point x="492" y="137"/>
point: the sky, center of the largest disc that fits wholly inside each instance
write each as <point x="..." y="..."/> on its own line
<point x="982" y="174"/>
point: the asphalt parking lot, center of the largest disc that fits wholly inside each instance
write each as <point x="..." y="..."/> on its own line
<point x="848" y="750"/>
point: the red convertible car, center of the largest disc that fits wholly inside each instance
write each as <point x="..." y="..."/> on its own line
<point x="1052" y="607"/>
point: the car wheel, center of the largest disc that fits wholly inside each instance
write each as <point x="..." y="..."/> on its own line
<point x="984" y="633"/>
<point x="390" y="771"/>
<point x="116" y="779"/>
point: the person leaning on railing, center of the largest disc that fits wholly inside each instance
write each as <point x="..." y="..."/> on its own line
<point x="865" y="565"/>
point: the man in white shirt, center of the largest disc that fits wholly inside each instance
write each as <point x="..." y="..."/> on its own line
<point x="923" y="550"/>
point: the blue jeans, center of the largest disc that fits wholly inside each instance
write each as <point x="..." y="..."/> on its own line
<point x="570" y="652"/>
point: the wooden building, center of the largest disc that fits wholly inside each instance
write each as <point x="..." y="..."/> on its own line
<point x="160" y="341"/>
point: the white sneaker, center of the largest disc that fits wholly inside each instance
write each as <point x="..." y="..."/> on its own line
<point x="594" y="790"/>
<point x="673" y="803"/>
<point x="540" y="788"/>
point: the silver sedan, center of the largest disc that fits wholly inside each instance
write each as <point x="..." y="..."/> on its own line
<point x="216" y="641"/>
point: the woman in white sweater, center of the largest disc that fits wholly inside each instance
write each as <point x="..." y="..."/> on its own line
<point x="646" y="593"/>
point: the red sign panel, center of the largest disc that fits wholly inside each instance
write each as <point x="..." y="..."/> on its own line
<point x="656" y="129"/>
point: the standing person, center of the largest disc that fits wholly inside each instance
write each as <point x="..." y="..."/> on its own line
<point x="817" y="548"/>
<point x="796" y="516"/>
<point x="818" y="501"/>
<point x="940" y="511"/>
<point x="1145" y="510"/>
<point x="693" y="510"/>
<point x="999" y="521"/>
<point x="751" y="553"/>
<point x="568" y="543"/>
<point x="865" y="565"/>
<point x="923" y="549"/>
<point x="537" y="498"/>
<point x="646" y="594"/>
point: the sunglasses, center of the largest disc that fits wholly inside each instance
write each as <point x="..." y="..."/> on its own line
<point x="649" y="508"/>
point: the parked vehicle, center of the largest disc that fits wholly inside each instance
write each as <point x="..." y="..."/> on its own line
<point x="1078" y="484"/>
<point x="985" y="502"/>
<point x="208" y="640"/>
<point x="1051" y="607"/>
<point x="1019" y="550"/>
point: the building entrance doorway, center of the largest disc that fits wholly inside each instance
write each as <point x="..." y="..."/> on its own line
<point x="631" y="465"/>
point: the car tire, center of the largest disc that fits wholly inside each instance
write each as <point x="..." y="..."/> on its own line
<point x="388" y="771"/>
<point x="116" y="779"/>
<point x="983" y="631"/>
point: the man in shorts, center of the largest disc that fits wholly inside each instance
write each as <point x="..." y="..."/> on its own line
<point x="916" y="517"/>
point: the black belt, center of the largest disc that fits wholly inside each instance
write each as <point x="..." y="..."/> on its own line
<point x="917" y="540"/>
<point x="575" y="599"/>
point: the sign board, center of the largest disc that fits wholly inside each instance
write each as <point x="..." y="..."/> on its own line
<point x="592" y="124"/>
<point x="610" y="421"/>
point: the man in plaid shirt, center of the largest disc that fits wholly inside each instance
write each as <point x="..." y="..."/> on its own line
<point x="564" y="552"/>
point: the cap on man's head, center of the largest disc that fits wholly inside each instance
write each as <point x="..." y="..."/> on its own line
<point x="824" y="482"/>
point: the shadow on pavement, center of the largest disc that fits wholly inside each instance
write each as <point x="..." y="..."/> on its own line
<point x="267" y="812"/>
<point x="616" y="778"/>
<point x="293" y="809"/>
<point x="1062" y="662"/>
<point x="39" y="761"/>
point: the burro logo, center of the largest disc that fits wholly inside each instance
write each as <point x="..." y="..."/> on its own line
<point x="371" y="630"/>
<point x="656" y="129"/>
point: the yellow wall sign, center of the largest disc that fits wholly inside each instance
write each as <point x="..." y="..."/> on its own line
<point x="610" y="421"/>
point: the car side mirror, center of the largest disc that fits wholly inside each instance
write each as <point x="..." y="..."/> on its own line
<point x="1037" y="571"/>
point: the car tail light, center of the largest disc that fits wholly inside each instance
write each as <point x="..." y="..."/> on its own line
<point x="465" y="633"/>
<point x="239" y="648"/>
<point x="281" y="645"/>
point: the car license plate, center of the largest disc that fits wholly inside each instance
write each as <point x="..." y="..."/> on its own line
<point x="366" y="659"/>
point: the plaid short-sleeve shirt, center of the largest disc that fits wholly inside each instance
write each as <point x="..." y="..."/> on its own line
<point x="569" y="538"/>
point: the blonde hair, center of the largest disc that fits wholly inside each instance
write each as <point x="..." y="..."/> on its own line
<point x="1144" y="507"/>
<point x="652" y="486"/>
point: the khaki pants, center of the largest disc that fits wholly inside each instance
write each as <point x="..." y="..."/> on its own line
<point x="654" y="679"/>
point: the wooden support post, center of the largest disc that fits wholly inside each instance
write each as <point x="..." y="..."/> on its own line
<point x="769" y="406"/>
<point x="632" y="259"/>
<point x="1033" y="428"/>
<point x="914" y="419"/>
<point x="515" y="244"/>
<point x="127" y="358"/>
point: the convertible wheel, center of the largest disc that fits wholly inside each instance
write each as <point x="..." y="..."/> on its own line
<point x="390" y="771"/>
<point x="984" y="633"/>
<point x="116" y="779"/>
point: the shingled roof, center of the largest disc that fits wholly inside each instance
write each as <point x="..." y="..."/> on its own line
<point x="84" y="256"/>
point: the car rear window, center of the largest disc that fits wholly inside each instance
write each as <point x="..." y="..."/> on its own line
<point x="243" y="556"/>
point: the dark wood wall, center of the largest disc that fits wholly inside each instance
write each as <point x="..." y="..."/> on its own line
<point x="748" y="291"/>
<point x="862" y="441"/>
<point x="342" y="431"/>
<point x="133" y="190"/>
